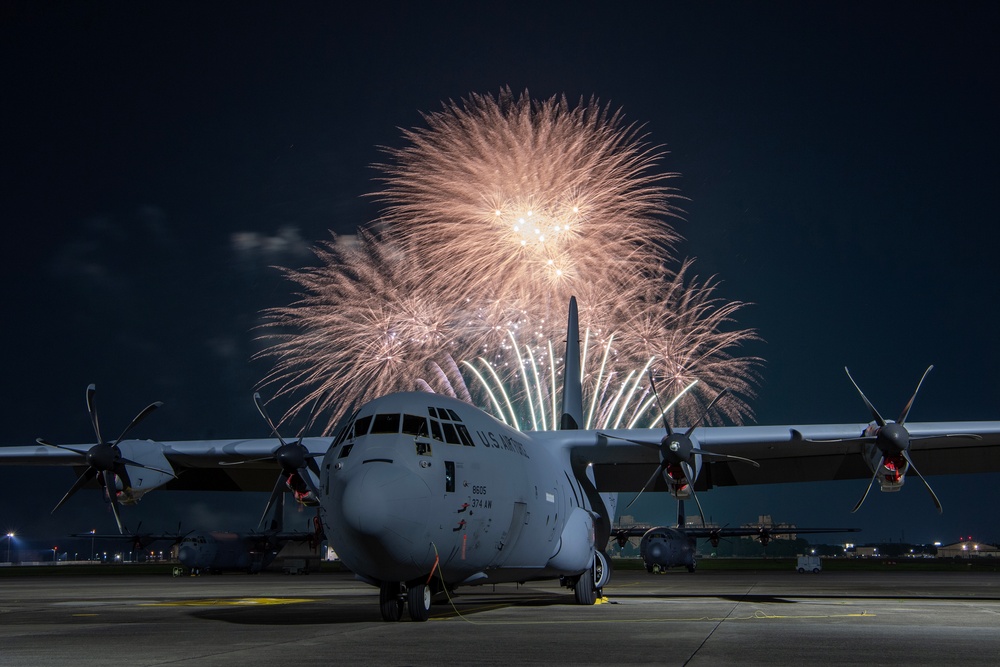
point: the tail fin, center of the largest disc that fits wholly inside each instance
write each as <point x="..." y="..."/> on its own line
<point x="572" y="405"/>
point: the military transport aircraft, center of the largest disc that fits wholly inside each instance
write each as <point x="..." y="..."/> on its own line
<point x="421" y="493"/>
<point x="214" y="551"/>
<point x="664" y="547"/>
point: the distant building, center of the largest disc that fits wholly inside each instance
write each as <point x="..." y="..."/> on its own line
<point x="765" y="521"/>
<point x="968" y="549"/>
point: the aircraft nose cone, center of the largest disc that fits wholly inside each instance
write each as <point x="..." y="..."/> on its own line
<point x="385" y="498"/>
<point x="186" y="555"/>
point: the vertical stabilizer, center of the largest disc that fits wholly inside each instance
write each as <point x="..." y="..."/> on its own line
<point x="572" y="405"/>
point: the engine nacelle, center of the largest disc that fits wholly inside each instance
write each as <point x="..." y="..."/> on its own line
<point x="575" y="551"/>
<point x="144" y="480"/>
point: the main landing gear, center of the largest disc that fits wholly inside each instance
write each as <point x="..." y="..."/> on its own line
<point x="589" y="585"/>
<point x="394" y="595"/>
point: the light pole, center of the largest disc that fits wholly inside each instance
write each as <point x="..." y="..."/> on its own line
<point x="92" y="532"/>
<point x="10" y="536"/>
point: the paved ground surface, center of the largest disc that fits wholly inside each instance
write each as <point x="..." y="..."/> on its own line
<point x="708" y="618"/>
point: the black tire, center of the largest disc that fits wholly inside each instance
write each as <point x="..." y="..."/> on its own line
<point x="419" y="602"/>
<point x="390" y="604"/>
<point x="815" y="570"/>
<point x="584" y="589"/>
<point x="692" y="567"/>
<point x="802" y="570"/>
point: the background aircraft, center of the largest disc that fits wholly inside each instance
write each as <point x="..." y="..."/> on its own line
<point x="215" y="551"/>
<point x="664" y="547"/>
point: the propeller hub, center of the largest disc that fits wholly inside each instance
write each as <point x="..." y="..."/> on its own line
<point x="893" y="439"/>
<point x="291" y="457"/>
<point x="103" y="456"/>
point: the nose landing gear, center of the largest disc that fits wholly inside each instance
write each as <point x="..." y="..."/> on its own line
<point x="395" y="595"/>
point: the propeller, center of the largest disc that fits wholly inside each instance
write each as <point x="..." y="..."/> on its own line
<point x="677" y="451"/>
<point x="295" y="461"/>
<point x="893" y="440"/>
<point x="105" y="460"/>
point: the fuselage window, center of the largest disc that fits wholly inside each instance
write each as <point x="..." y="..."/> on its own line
<point x="463" y="433"/>
<point x="436" y="430"/>
<point x="414" y="425"/>
<point x="450" y="434"/>
<point x="346" y="450"/>
<point x="385" y="424"/>
<point x="361" y="426"/>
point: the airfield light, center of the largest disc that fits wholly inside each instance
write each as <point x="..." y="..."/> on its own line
<point x="10" y="536"/>
<point x="937" y="544"/>
<point x="93" y="532"/>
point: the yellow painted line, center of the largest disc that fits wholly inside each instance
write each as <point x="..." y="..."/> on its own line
<point x="227" y="602"/>
<point x="85" y="614"/>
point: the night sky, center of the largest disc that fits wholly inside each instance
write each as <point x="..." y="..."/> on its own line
<point x="840" y="162"/>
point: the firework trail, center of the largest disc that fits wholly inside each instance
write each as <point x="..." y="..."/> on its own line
<point x="494" y="215"/>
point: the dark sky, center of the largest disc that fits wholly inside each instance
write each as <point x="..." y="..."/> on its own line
<point x="840" y="161"/>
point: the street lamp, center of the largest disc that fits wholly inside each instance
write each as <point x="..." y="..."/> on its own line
<point x="92" y="532"/>
<point x="10" y="536"/>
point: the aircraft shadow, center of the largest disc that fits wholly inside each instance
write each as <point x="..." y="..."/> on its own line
<point x="364" y="609"/>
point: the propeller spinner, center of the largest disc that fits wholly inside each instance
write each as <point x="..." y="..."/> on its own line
<point x="105" y="460"/>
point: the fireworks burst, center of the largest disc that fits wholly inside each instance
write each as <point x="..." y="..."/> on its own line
<point x="495" y="214"/>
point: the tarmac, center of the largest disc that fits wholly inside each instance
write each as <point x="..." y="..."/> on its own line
<point x="706" y="618"/>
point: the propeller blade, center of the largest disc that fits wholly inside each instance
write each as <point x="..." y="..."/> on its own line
<point x="870" y="484"/>
<point x="311" y="462"/>
<point x="46" y="443"/>
<point x="659" y="406"/>
<point x="906" y="410"/>
<point x="138" y="418"/>
<point x="259" y="402"/>
<point x="937" y="503"/>
<point x="875" y="415"/>
<point x="92" y="411"/>
<point x="109" y="487"/>
<point x="654" y="445"/>
<point x="705" y="413"/>
<point x="87" y="475"/>
<point x="136" y="464"/>
<point x="303" y="474"/>
<point x="649" y="481"/>
<point x="715" y="455"/>
<point x="689" y="477"/>
<point x="270" y="501"/>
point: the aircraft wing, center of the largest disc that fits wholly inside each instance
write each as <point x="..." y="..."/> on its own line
<point x="786" y="453"/>
<point x="706" y="532"/>
<point x="214" y="465"/>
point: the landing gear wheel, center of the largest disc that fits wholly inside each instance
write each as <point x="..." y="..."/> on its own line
<point x="390" y="600"/>
<point x="693" y="566"/>
<point x="418" y="598"/>
<point x="584" y="589"/>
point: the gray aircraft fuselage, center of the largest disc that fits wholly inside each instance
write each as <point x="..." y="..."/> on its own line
<point x="420" y="484"/>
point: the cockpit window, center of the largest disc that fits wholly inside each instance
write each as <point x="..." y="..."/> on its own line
<point x="463" y="433"/>
<point x="414" y="425"/>
<point x="450" y="434"/>
<point x="447" y="426"/>
<point x="361" y="426"/>
<point x="385" y="424"/>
